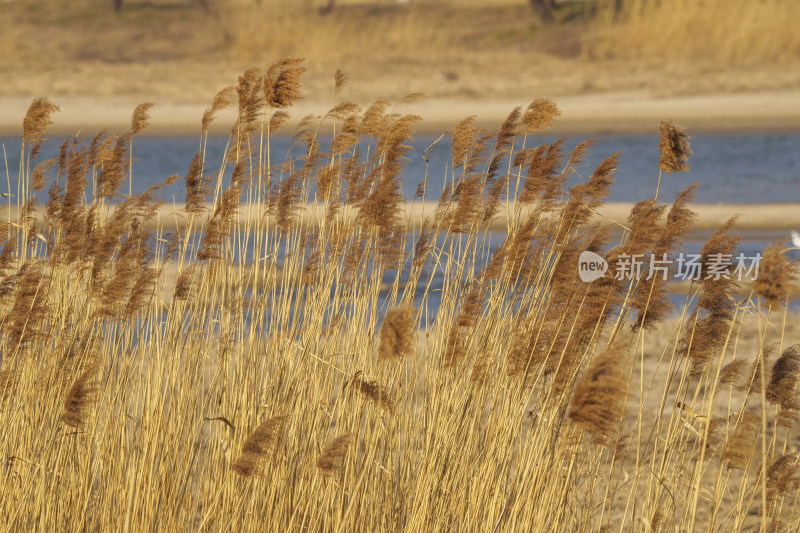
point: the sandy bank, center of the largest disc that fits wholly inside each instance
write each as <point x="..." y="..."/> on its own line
<point x="612" y="112"/>
<point x="773" y="220"/>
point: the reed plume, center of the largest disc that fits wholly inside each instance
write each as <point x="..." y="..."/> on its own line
<point x="259" y="443"/>
<point x="30" y="306"/>
<point x="282" y="82"/>
<point x="776" y="274"/>
<point x="196" y="185"/>
<point x="396" y="335"/>
<point x="373" y="391"/>
<point x="711" y="320"/>
<point x="141" y="118"/>
<point x="742" y="443"/>
<point x="80" y="397"/>
<point x="222" y="100"/>
<point x="183" y="284"/>
<point x="650" y="296"/>
<point x="783" y="476"/>
<point x="332" y="458"/>
<point x="37" y="119"/>
<point x="339" y="81"/>
<point x="674" y="148"/>
<point x="598" y="402"/>
<point x="540" y="115"/>
<point x="732" y="372"/>
<point x="785" y="376"/>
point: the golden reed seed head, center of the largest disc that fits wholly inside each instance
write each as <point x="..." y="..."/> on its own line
<point x="258" y="444"/>
<point x="674" y="147"/>
<point x="37" y="119"/>
<point x="412" y="97"/>
<point x="540" y="115"/>
<point x="339" y="81"/>
<point x="332" y="458"/>
<point x="282" y="82"/>
<point x="783" y="476"/>
<point x="785" y="376"/>
<point x="732" y="372"/>
<point x="742" y="443"/>
<point x="141" y="118"/>
<point x="373" y="391"/>
<point x="777" y="275"/>
<point x="397" y="333"/>
<point x="80" y="397"/>
<point x="277" y="120"/>
<point x="598" y="402"/>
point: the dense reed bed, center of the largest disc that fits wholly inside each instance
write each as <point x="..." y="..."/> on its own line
<point x="714" y="32"/>
<point x="272" y="374"/>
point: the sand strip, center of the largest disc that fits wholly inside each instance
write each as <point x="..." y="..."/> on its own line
<point x="613" y="112"/>
<point x="778" y="219"/>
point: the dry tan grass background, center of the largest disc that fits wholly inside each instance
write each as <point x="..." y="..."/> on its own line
<point x="172" y="51"/>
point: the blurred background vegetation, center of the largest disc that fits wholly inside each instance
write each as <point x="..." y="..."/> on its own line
<point x="469" y="48"/>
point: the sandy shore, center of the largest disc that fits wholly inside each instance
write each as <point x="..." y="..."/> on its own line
<point x="611" y="112"/>
<point x="770" y="221"/>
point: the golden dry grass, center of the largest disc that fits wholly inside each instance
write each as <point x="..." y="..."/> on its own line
<point x="468" y="50"/>
<point x="355" y="374"/>
<point x="714" y="32"/>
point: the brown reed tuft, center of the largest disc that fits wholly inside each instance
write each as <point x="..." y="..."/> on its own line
<point x="222" y="100"/>
<point x="80" y="397"/>
<point x="598" y="402"/>
<point x="674" y="147"/>
<point x="219" y="224"/>
<point x="196" y="185"/>
<point x="544" y="180"/>
<point x="373" y="391"/>
<point x="332" y="459"/>
<point x="339" y="81"/>
<point x="742" y="443"/>
<point x="785" y="376"/>
<point x="117" y="289"/>
<point x="183" y="284"/>
<point x="372" y="121"/>
<point x="761" y="363"/>
<point x="114" y="170"/>
<point x="413" y="97"/>
<point x="277" y="120"/>
<point x="587" y="197"/>
<point x="732" y="372"/>
<point x="259" y="443"/>
<point x="783" y="476"/>
<point x="465" y="137"/>
<point x="650" y="296"/>
<point x="481" y="368"/>
<point x="141" y="118"/>
<point x="40" y="171"/>
<point x="711" y="320"/>
<point x="282" y="82"/>
<point x="37" y="119"/>
<point x="8" y="255"/>
<point x="397" y="335"/>
<point x="455" y="350"/>
<point x="776" y="273"/>
<point x="144" y="284"/>
<point x="540" y="115"/>
<point x="422" y="247"/>
<point x="30" y="306"/>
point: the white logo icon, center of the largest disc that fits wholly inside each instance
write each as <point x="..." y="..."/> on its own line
<point x="591" y="266"/>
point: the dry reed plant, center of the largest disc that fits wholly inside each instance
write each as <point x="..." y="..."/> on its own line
<point x="438" y="378"/>
<point x="716" y="32"/>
